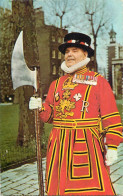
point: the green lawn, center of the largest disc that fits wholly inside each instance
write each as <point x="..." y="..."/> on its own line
<point x="10" y="152"/>
<point x="9" y="119"/>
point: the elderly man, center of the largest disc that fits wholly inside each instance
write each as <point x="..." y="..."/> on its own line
<point x="74" y="104"/>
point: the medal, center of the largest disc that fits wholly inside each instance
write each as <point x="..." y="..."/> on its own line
<point x="85" y="79"/>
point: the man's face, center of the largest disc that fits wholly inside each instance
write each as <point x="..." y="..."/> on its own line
<point x="74" y="55"/>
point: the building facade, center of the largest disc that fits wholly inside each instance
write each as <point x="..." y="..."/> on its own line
<point x="115" y="64"/>
<point x="48" y="40"/>
<point x="117" y="74"/>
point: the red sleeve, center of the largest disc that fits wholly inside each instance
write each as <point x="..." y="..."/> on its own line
<point x="111" y="120"/>
<point x="46" y="113"/>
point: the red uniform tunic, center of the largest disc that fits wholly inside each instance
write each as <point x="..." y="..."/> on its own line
<point x="75" y="163"/>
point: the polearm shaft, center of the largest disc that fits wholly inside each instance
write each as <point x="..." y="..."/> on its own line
<point x="39" y="155"/>
<point x="38" y="145"/>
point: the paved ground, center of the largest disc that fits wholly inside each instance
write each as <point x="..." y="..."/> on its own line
<point x="24" y="180"/>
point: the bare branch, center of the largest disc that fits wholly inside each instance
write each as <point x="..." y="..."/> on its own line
<point x="58" y="10"/>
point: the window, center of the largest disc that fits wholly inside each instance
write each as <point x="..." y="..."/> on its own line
<point x="59" y="39"/>
<point x="53" y="54"/>
<point x="54" y="70"/>
<point x="121" y="52"/>
<point x="59" y="55"/>
<point x="53" y="38"/>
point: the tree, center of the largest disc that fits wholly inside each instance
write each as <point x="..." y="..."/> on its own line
<point x="23" y="19"/>
<point x="98" y="18"/>
<point x="57" y="12"/>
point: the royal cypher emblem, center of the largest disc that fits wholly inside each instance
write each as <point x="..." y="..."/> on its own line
<point x="64" y="108"/>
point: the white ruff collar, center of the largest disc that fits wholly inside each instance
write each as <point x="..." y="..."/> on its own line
<point x="74" y="67"/>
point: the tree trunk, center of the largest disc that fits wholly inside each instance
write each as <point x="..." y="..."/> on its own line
<point x="23" y="19"/>
<point x="26" y="129"/>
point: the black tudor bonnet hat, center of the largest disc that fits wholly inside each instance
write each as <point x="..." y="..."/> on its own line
<point x="78" y="40"/>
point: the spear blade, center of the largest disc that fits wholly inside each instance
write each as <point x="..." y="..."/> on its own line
<point x="21" y="74"/>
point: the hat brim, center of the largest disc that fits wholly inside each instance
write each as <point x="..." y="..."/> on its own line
<point x="62" y="48"/>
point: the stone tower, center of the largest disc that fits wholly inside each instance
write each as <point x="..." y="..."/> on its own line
<point x="111" y="53"/>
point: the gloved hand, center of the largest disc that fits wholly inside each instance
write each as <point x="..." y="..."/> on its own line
<point x="111" y="156"/>
<point x="35" y="103"/>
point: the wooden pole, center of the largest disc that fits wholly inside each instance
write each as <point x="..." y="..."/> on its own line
<point x="39" y="155"/>
<point x="38" y="144"/>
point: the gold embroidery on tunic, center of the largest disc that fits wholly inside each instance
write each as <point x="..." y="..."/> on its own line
<point x="65" y="104"/>
<point x="66" y="94"/>
<point x="68" y="84"/>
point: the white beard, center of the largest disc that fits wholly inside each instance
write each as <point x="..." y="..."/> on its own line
<point x="74" y="67"/>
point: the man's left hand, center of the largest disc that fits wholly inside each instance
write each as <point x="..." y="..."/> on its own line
<point x="111" y="156"/>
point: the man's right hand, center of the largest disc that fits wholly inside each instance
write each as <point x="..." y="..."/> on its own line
<point x="35" y="103"/>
